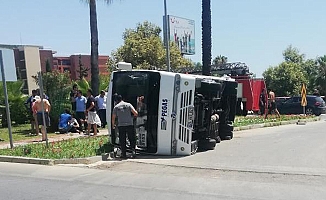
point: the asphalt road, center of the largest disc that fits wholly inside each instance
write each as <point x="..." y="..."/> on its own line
<point x="286" y="162"/>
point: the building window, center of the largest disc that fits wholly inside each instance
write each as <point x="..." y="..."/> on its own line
<point x="66" y="62"/>
<point x="25" y="87"/>
<point x="65" y="69"/>
<point x="22" y="64"/>
<point x="23" y="74"/>
<point x="21" y="55"/>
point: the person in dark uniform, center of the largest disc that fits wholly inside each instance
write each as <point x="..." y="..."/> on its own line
<point x="262" y="102"/>
<point x="124" y="112"/>
<point x="73" y="95"/>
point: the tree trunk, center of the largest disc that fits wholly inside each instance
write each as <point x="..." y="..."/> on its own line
<point x="206" y="37"/>
<point x="94" y="48"/>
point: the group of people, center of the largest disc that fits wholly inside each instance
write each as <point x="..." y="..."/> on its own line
<point x="89" y="112"/>
<point x="34" y="104"/>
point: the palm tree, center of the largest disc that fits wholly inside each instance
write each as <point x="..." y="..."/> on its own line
<point x="94" y="45"/>
<point x="206" y="37"/>
<point x="220" y="60"/>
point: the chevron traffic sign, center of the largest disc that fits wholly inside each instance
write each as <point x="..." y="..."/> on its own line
<point x="303" y="95"/>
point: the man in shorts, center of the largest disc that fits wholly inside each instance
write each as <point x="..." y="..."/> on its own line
<point x="38" y="108"/>
<point x="125" y="112"/>
<point x="273" y="107"/>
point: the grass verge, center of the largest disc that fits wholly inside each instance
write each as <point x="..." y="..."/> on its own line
<point x="250" y="120"/>
<point x="64" y="149"/>
<point x="20" y="133"/>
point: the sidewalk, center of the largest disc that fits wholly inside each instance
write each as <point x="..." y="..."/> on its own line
<point x="58" y="137"/>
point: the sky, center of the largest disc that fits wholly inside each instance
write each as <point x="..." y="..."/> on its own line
<point x="255" y="32"/>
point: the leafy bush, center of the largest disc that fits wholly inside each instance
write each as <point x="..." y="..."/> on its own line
<point x="18" y="112"/>
<point x="57" y="86"/>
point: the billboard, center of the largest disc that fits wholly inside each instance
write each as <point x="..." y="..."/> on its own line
<point x="182" y="32"/>
<point x="8" y="60"/>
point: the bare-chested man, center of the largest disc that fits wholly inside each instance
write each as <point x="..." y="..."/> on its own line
<point x="273" y="106"/>
<point x="38" y="108"/>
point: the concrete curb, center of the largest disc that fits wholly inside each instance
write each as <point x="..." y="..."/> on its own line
<point x="26" y="160"/>
<point x="39" y="161"/>
<point x="280" y="123"/>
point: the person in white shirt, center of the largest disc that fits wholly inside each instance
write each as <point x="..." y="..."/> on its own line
<point x="101" y="107"/>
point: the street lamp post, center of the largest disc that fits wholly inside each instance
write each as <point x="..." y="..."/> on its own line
<point x="167" y="39"/>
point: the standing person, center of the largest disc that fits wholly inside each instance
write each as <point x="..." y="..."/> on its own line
<point x="123" y="111"/>
<point x="29" y="103"/>
<point x="73" y="95"/>
<point x="37" y="130"/>
<point x="273" y="107"/>
<point x="262" y="101"/>
<point x="47" y="108"/>
<point x="38" y="93"/>
<point x="92" y="117"/>
<point x="80" y="109"/>
<point x="101" y="105"/>
<point x="316" y="93"/>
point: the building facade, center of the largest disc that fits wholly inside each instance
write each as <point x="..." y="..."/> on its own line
<point x="79" y="66"/>
<point x="28" y="64"/>
<point x="29" y="60"/>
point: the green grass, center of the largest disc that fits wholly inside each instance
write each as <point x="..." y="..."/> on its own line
<point x="250" y="120"/>
<point x="19" y="133"/>
<point x="71" y="148"/>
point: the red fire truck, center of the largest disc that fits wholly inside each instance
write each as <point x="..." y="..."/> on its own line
<point x="249" y="87"/>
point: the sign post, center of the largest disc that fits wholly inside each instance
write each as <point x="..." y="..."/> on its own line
<point x="303" y="97"/>
<point x="6" y="99"/>
<point x="40" y="82"/>
<point x="166" y="36"/>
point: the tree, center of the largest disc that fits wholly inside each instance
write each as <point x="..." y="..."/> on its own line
<point x="220" y="60"/>
<point x="310" y="70"/>
<point x="144" y="49"/>
<point x="94" y="45"/>
<point x="292" y="54"/>
<point x="295" y="70"/>
<point x="48" y="66"/>
<point x="206" y="37"/>
<point x="16" y="99"/>
<point x="57" y="86"/>
<point x="83" y="71"/>
<point x="321" y="77"/>
<point x="285" y="79"/>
